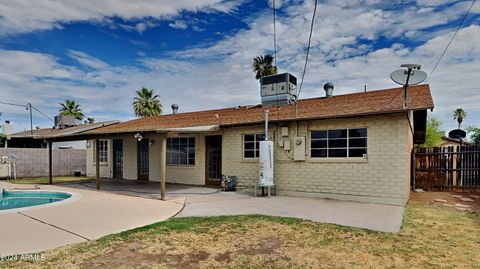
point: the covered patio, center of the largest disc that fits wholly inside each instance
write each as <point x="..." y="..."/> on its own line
<point x="145" y="188"/>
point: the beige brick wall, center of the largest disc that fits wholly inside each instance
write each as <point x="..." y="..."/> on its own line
<point x="175" y="174"/>
<point x="105" y="168"/>
<point x="383" y="177"/>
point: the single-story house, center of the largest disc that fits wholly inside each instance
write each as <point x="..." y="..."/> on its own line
<point x="448" y="141"/>
<point x="353" y="147"/>
<point x="33" y="138"/>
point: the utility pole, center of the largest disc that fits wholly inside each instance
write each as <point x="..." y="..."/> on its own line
<point x="29" y="107"/>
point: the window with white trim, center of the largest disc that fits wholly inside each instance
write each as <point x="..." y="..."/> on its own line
<point x="251" y="145"/>
<point x="103" y="151"/>
<point x="181" y="151"/>
<point x="340" y="143"/>
<point x="103" y="144"/>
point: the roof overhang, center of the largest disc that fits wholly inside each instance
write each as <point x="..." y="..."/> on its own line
<point x="192" y="129"/>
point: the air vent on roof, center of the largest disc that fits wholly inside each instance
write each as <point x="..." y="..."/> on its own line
<point x="277" y="90"/>
<point x="328" y="87"/>
<point x="174" y="108"/>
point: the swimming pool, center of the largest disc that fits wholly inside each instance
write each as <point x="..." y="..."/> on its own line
<point x="19" y="199"/>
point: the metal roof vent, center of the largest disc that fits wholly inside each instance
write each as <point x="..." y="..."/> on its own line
<point x="328" y="87"/>
<point x="174" y="108"/>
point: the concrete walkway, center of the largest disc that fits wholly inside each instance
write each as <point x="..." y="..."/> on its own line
<point x="202" y="201"/>
<point x="90" y="215"/>
<point x="384" y="218"/>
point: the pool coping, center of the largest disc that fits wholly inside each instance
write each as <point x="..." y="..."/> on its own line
<point x="75" y="196"/>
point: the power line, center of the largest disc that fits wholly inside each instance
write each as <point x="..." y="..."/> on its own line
<point x="27" y="107"/>
<point x="308" y="49"/>
<point x="11" y="104"/>
<point x="451" y="40"/>
<point x="41" y="113"/>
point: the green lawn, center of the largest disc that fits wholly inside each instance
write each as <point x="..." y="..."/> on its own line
<point x="44" y="180"/>
<point x="431" y="237"/>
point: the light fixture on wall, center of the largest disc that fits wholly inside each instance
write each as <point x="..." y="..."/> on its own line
<point x="138" y="136"/>
<point x="151" y="141"/>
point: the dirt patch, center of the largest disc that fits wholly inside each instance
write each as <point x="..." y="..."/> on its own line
<point x="130" y="255"/>
<point x="264" y="247"/>
<point x="428" y="198"/>
<point x="224" y="257"/>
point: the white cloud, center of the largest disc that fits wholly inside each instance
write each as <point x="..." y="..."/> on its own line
<point x="22" y="16"/>
<point x="178" y="24"/>
<point x="218" y="74"/>
<point x="87" y="60"/>
<point x="138" y="27"/>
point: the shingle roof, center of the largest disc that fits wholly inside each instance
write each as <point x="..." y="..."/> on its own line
<point x="51" y="132"/>
<point x="347" y="105"/>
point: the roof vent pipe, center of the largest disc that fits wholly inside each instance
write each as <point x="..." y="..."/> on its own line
<point x="174" y="108"/>
<point x="328" y="87"/>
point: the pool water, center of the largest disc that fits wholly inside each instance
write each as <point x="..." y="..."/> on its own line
<point x="18" y="199"/>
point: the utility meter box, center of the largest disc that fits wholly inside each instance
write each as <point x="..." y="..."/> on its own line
<point x="286" y="145"/>
<point x="299" y="148"/>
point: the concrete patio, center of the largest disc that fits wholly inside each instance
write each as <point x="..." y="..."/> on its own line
<point x="91" y="215"/>
<point x="203" y="201"/>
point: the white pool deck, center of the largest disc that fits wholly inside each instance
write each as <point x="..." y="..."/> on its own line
<point x="93" y="214"/>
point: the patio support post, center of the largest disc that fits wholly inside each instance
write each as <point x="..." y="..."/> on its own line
<point x="50" y="173"/>
<point x="163" y="167"/>
<point x="97" y="162"/>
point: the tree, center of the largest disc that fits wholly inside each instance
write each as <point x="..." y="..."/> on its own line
<point x="70" y="108"/>
<point x="433" y="136"/>
<point x="459" y="114"/>
<point x="146" y="103"/>
<point x="474" y="134"/>
<point x="263" y="66"/>
<point x="3" y="138"/>
<point x="90" y="120"/>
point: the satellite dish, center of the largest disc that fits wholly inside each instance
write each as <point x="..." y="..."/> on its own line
<point x="400" y="76"/>
<point x="457" y="134"/>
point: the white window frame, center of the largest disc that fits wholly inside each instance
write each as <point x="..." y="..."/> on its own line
<point x="103" y="150"/>
<point x="347" y="148"/>
<point x="255" y="148"/>
<point x="188" y="164"/>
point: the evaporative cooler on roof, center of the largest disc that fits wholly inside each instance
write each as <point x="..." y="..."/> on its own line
<point x="277" y="90"/>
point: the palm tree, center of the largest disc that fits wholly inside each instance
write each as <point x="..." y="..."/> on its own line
<point x="459" y="114"/>
<point x="90" y="120"/>
<point x="263" y="66"/>
<point x="146" y="103"/>
<point x="70" y="108"/>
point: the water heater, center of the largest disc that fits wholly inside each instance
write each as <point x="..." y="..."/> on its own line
<point x="266" y="163"/>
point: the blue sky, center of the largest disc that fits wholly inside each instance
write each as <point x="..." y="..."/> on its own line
<point x="198" y="53"/>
